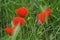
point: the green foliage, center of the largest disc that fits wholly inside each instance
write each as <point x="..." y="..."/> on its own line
<point x="31" y="31"/>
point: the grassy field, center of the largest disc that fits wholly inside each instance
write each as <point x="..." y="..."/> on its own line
<point x="31" y="30"/>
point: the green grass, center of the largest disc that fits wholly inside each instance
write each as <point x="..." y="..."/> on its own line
<point x="31" y="30"/>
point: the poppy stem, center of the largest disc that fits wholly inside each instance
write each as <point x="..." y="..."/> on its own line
<point x="41" y="8"/>
<point x="46" y="20"/>
<point x="15" y="33"/>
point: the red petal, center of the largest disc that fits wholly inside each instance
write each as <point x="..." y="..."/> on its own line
<point x="48" y="12"/>
<point x="41" y="18"/>
<point x="22" y="12"/>
<point x="9" y="31"/>
<point x="19" y="20"/>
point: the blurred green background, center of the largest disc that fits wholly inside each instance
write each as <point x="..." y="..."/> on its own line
<point x="7" y="13"/>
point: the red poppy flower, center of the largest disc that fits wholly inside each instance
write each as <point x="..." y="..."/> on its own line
<point x="22" y="12"/>
<point x="41" y="18"/>
<point x="48" y="12"/>
<point x="19" y="20"/>
<point x="10" y="30"/>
